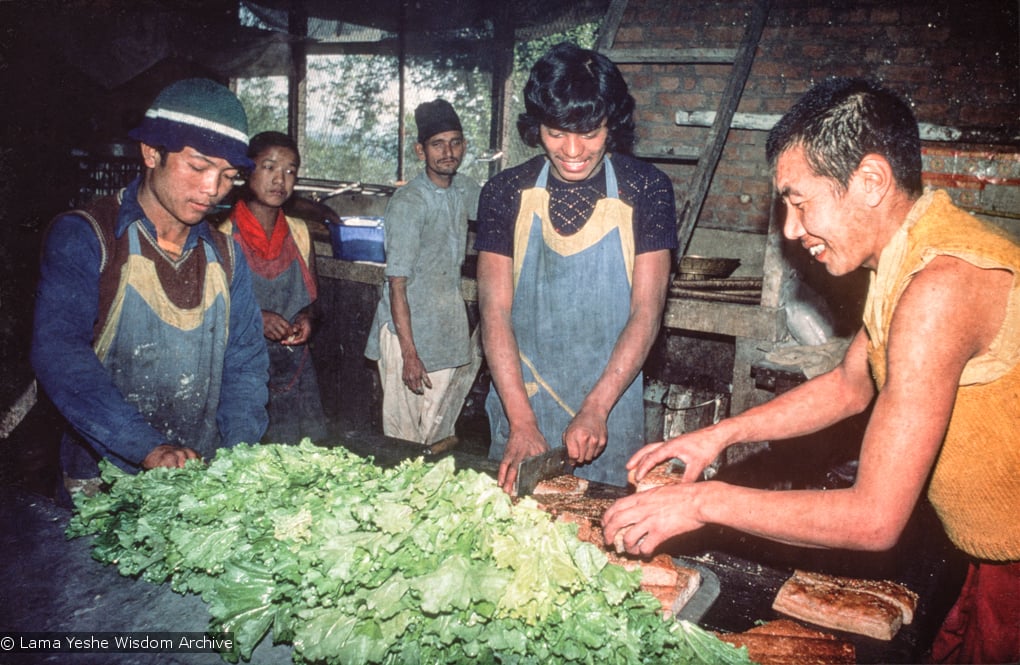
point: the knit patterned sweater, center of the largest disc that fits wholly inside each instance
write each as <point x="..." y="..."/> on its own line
<point x="975" y="486"/>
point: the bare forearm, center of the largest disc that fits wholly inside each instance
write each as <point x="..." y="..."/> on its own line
<point x="825" y="400"/>
<point x="805" y="410"/>
<point x="806" y="518"/>
<point x="847" y="519"/>
<point x="400" y="313"/>
<point x="624" y="364"/>
<point x="503" y="358"/>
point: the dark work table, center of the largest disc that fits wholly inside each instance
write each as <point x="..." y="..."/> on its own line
<point x="53" y="584"/>
<point x="751" y="570"/>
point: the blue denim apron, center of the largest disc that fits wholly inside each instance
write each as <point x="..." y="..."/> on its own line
<point x="166" y="360"/>
<point x="571" y="302"/>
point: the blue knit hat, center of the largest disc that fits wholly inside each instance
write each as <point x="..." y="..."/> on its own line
<point x="201" y="114"/>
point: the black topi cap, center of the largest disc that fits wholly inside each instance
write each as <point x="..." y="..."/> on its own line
<point x="434" y="118"/>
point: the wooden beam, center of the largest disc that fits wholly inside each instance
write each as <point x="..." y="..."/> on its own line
<point x="502" y="56"/>
<point x="691" y="206"/>
<point x="610" y="25"/>
<point x="16" y="412"/>
<point x="748" y="321"/>
<point x="929" y="132"/>
<point x="677" y="56"/>
<point x="370" y="273"/>
<point x="663" y="153"/>
<point x="297" y="85"/>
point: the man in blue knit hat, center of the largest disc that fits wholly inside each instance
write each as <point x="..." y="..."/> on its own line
<point x="147" y="335"/>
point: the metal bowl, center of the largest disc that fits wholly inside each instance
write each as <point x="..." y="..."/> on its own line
<point x="703" y="267"/>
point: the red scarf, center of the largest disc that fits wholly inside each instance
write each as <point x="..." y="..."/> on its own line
<point x="255" y="236"/>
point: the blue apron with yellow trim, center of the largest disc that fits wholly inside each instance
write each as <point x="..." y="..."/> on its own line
<point x="166" y="360"/>
<point x="571" y="302"/>
<point x="283" y="285"/>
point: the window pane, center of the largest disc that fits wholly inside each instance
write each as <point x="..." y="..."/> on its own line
<point x="351" y="118"/>
<point x="462" y="83"/>
<point x="351" y="129"/>
<point x="265" y="101"/>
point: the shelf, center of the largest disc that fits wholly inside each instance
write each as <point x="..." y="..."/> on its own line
<point x="370" y="273"/>
<point x="330" y="268"/>
<point x="664" y="153"/>
<point x="735" y="320"/>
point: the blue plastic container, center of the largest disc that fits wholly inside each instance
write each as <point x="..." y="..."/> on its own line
<point x="359" y="239"/>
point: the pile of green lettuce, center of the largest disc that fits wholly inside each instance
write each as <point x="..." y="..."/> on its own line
<point x="352" y="563"/>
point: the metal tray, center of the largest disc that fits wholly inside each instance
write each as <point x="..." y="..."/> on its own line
<point x="703" y="598"/>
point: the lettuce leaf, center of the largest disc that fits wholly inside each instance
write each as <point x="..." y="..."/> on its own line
<point x="353" y="563"/>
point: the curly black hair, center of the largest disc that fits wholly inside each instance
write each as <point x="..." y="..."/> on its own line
<point x="574" y="89"/>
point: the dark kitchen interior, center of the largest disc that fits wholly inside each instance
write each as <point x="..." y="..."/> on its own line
<point x="77" y="75"/>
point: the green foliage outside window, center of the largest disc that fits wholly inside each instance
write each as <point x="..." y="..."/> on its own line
<point x="351" y="129"/>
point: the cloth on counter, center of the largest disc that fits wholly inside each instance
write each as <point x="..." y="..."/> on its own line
<point x="811" y="360"/>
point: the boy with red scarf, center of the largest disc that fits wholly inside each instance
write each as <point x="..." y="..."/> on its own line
<point x="280" y="254"/>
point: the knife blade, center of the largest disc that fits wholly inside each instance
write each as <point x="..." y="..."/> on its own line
<point x="553" y="462"/>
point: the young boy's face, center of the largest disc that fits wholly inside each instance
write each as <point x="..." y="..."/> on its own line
<point x="574" y="156"/>
<point x="273" y="178"/>
<point x="183" y="187"/>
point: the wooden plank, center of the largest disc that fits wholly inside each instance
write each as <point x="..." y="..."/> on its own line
<point x="691" y="207"/>
<point x="757" y="121"/>
<point x="726" y="283"/>
<point x="764" y="122"/>
<point x="13" y="415"/>
<point x="740" y="298"/>
<point x="502" y="59"/>
<point x="330" y="268"/>
<point x="737" y="320"/>
<point x="370" y="273"/>
<point x="610" y="25"/>
<point x="663" y="153"/>
<point x="672" y="56"/>
<point x="776" y="269"/>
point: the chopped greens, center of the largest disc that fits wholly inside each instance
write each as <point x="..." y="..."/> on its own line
<point x="352" y="563"/>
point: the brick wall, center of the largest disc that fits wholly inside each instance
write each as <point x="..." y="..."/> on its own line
<point x="956" y="62"/>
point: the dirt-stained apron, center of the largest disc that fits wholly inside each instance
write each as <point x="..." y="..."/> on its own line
<point x="571" y="302"/>
<point x="284" y="284"/>
<point x="166" y="360"/>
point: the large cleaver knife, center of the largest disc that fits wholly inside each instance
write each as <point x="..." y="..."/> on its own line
<point x="553" y="462"/>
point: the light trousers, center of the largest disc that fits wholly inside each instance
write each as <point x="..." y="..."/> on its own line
<point x="406" y="415"/>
